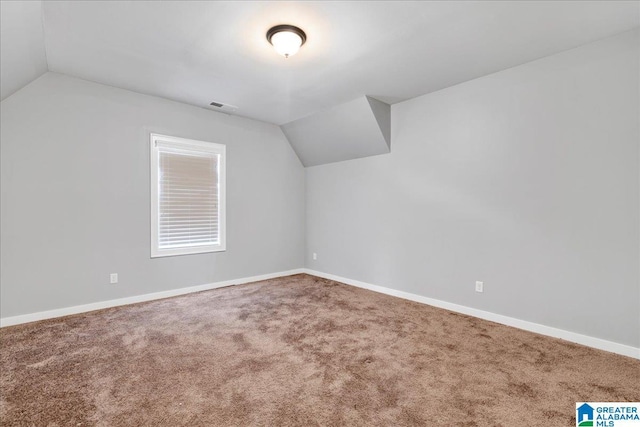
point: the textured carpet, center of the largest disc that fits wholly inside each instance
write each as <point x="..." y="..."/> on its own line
<point x="297" y="351"/>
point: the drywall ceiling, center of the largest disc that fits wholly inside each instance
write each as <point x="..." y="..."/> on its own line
<point x="22" y="53"/>
<point x="198" y="52"/>
<point x="359" y="128"/>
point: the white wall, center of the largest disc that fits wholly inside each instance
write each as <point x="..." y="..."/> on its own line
<point x="527" y="179"/>
<point x="75" y="196"/>
<point x="22" y="50"/>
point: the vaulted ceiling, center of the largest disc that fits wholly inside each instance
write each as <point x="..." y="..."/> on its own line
<point x="22" y="53"/>
<point x="198" y="52"/>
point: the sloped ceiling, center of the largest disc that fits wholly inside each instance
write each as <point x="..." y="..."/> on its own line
<point x="201" y="51"/>
<point x="22" y="51"/>
<point x="359" y="128"/>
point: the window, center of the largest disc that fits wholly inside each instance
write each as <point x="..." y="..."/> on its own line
<point x="187" y="196"/>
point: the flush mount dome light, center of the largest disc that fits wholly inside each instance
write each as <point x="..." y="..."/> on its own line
<point x="286" y="39"/>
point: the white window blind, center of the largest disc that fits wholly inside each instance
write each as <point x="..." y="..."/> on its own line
<point x="187" y="196"/>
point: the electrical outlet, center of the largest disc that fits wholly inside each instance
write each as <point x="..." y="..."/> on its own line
<point x="315" y="256"/>
<point x="479" y="286"/>
<point x="113" y="277"/>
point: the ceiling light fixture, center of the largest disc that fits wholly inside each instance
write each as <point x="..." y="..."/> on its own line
<point x="286" y="39"/>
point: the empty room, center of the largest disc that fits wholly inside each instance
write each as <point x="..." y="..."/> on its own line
<point x="320" y="213"/>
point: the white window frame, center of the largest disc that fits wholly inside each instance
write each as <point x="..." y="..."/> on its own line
<point x="193" y="146"/>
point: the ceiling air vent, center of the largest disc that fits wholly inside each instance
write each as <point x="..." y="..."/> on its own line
<point x="223" y="108"/>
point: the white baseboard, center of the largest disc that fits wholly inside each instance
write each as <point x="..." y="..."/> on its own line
<point x="498" y="318"/>
<point x="42" y="315"/>
<point x="586" y="340"/>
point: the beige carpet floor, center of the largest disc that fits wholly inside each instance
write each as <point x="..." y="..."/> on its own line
<point x="296" y="351"/>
